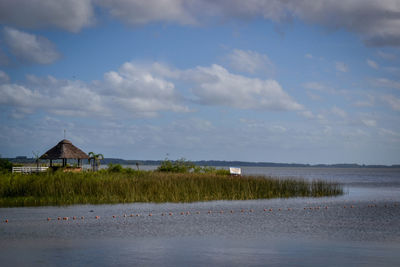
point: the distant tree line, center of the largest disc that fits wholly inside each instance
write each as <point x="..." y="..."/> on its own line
<point x="219" y="163"/>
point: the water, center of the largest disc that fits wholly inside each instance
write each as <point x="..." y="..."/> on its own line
<point x="228" y="233"/>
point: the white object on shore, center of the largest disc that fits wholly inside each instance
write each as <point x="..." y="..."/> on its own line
<point x="29" y="169"/>
<point x="235" y="171"/>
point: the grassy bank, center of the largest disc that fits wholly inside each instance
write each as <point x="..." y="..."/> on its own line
<point x="60" y="188"/>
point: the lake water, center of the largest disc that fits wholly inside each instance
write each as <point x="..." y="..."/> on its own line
<point x="360" y="228"/>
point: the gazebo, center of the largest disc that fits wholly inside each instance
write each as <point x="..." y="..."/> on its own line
<point x="64" y="150"/>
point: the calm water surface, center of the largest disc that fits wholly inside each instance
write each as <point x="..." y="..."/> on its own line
<point x="227" y="233"/>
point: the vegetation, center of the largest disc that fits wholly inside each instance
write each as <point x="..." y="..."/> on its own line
<point x="183" y="166"/>
<point x="120" y="185"/>
<point x="95" y="159"/>
<point x="178" y="166"/>
<point x="5" y="165"/>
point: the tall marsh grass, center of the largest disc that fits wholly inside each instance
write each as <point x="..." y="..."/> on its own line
<point x="58" y="188"/>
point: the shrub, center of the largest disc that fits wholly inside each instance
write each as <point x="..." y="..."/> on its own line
<point x="115" y="168"/>
<point x="178" y="166"/>
<point x="5" y="165"/>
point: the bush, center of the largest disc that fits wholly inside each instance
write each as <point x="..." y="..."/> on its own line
<point x="115" y="168"/>
<point x="178" y="166"/>
<point x="5" y="165"/>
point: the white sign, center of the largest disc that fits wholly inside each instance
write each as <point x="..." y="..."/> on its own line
<point x="235" y="171"/>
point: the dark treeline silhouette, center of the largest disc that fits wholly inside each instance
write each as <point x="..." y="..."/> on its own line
<point x="219" y="163"/>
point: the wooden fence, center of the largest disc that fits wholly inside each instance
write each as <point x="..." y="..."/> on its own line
<point x="29" y="169"/>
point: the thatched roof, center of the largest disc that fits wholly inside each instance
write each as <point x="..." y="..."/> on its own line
<point x="64" y="150"/>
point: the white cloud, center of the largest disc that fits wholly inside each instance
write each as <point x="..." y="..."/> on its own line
<point x="387" y="132"/>
<point x="141" y="90"/>
<point x="307" y="114"/>
<point x="314" y="97"/>
<point x="136" y="90"/>
<point x="56" y="96"/>
<point x="369" y="102"/>
<point x="4" y="78"/>
<point x="372" y="64"/>
<point x="216" y="86"/>
<point x="315" y="86"/>
<point x="387" y="56"/>
<point x="131" y="91"/>
<point x="70" y="15"/>
<point x="377" y="22"/>
<point x="383" y="82"/>
<point x="318" y="86"/>
<point x="138" y="12"/>
<point x="369" y="122"/>
<point x="309" y="56"/>
<point x="338" y="112"/>
<point x="341" y="66"/>
<point x="30" y="48"/>
<point x="392" y="101"/>
<point x="250" y="62"/>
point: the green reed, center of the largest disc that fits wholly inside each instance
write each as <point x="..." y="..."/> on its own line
<point x="58" y="188"/>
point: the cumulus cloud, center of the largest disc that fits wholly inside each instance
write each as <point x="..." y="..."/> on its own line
<point x="250" y="62"/>
<point x="217" y="86"/>
<point x="57" y="96"/>
<point x="141" y="90"/>
<point x="372" y="64"/>
<point x="341" y="66"/>
<point x="130" y="91"/>
<point x="70" y="15"/>
<point x="137" y="90"/>
<point x="377" y="22"/>
<point x="29" y="47"/>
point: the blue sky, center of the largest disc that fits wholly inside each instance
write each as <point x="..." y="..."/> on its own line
<point x="269" y="81"/>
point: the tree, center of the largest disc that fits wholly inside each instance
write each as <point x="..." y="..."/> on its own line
<point x="95" y="159"/>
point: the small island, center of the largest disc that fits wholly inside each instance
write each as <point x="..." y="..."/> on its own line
<point x="173" y="181"/>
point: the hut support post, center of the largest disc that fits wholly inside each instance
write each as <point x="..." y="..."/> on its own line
<point x="51" y="163"/>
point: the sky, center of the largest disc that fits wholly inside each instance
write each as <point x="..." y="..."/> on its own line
<point x="291" y="81"/>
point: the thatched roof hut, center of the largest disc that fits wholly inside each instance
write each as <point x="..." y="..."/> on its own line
<point x="64" y="150"/>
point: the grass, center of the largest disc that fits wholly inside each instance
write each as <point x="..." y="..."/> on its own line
<point x="105" y="187"/>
